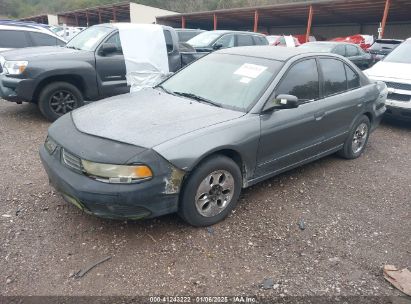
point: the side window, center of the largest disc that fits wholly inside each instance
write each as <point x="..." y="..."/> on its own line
<point x="340" y="50"/>
<point x="115" y="39"/>
<point x="353" y="80"/>
<point x="244" y="40"/>
<point x="40" y="39"/>
<point x="301" y="81"/>
<point x="13" y="39"/>
<point x="169" y="41"/>
<point x="227" y="41"/>
<point x="259" y="40"/>
<point x="335" y="80"/>
<point x="352" y="51"/>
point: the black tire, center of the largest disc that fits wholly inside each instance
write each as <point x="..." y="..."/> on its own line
<point x="349" y="150"/>
<point x="219" y="164"/>
<point x="47" y="99"/>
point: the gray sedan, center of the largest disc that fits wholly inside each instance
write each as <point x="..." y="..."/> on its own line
<point x="226" y="122"/>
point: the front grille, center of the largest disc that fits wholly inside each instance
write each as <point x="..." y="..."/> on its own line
<point x="398" y="86"/>
<point x="71" y="160"/>
<point x="399" y="97"/>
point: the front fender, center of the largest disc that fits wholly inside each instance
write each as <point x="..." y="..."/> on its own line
<point x="42" y="71"/>
<point x="240" y="135"/>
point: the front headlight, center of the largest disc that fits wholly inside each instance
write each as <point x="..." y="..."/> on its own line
<point x="15" y="67"/>
<point x="117" y="174"/>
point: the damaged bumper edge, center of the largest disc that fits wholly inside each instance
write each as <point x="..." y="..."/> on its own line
<point x="148" y="199"/>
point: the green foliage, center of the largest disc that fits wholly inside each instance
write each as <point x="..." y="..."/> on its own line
<point x="25" y="8"/>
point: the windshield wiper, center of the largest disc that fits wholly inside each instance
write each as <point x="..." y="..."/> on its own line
<point x="164" y="89"/>
<point x="73" y="47"/>
<point x="198" y="98"/>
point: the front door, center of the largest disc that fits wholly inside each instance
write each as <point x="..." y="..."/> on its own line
<point x="111" y="69"/>
<point x="291" y="136"/>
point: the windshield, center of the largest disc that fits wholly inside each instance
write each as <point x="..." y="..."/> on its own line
<point x="402" y="54"/>
<point x="318" y="47"/>
<point x="204" y="39"/>
<point x="89" y="39"/>
<point x="384" y="45"/>
<point x="230" y="81"/>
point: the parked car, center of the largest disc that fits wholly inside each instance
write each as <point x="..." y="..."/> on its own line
<point x="215" y="40"/>
<point x="186" y="34"/>
<point x="15" y="35"/>
<point x="226" y="122"/>
<point x="351" y="51"/>
<point x="382" y="47"/>
<point x="90" y="67"/>
<point x="276" y="40"/>
<point x="363" y="41"/>
<point x="395" y="71"/>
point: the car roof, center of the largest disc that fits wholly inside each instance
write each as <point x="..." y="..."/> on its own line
<point x="236" y="32"/>
<point x="27" y="27"/>
<point x="269" y="52"/>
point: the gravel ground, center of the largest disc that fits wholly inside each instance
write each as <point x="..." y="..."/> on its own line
<point x="356" y="216"/>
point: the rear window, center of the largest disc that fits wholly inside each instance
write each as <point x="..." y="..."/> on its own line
<point x="13" y="39"/>
<point x="184" y="36"/>
<point x="169" y="41"/>
<point x="40" y="39"/>
<point x="258" y="40"/>
<point x="386" y="45"/>
<point x="244" y="40"/>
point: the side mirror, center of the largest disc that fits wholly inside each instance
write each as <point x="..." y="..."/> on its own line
<point x="108" y="48"/>
<point x="217" y="46"/>
<point x="282" y="101"/>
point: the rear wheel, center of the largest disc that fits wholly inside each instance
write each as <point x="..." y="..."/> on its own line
<point x="59" y="98"/>
<point x="357" y="140"/>
<point x="211" y="192"/>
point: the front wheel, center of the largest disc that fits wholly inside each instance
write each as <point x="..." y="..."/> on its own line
<point x="59" y="98"/>
<point x="355" y="144"/>
<point x="211" y="192"/>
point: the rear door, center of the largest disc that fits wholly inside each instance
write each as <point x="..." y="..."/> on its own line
<point x="291" y="136"/>
<point x="111" y="69"/>
<point x="343" y="100"/>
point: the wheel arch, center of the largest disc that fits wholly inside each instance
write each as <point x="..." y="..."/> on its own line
<point x="228" y="152"/>
<point x="75" y="80"/>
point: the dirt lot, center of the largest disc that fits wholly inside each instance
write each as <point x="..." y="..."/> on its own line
<point x="356" y="214"/>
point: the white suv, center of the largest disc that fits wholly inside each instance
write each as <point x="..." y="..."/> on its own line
<point x="20" y="35"/>
<point x="395" y="71"/>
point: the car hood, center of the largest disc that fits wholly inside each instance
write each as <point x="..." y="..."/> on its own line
<point x="392" y="70"/>
<point x="148" y="118"/>
<point x="40" y="52"/>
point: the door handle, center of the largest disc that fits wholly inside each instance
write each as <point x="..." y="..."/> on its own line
<point x="319" y="116"/>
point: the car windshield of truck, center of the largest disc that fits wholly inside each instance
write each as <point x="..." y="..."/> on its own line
<point x="204" y="39"/>
<point x="229" y="81"/>
<point x="89" y="39"/>
<point x="401" y="54"/>
<point x="381" y="45"/>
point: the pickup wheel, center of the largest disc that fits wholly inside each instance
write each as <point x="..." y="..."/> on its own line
<point x="59" y="98"/>
<point x="211" y="192"/>
<point x="357" y="139"/>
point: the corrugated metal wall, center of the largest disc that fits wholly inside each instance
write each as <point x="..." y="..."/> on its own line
<point x="399" y="31"/>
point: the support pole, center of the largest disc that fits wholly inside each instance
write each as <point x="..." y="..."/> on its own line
<point x="384" y="18"/>
<point x="183" y="22"/>
<point x="256" y="21"/>
<point x="87" y="19"/>
<point x="310" y="21"/>
<point x="76" y="17"/>
<point x="114" y="14"/>
<point x="99" y="16"/>
<point x="215" y="21"/>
